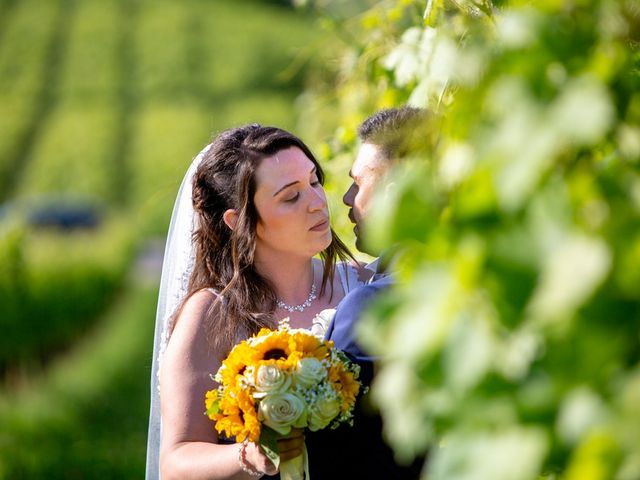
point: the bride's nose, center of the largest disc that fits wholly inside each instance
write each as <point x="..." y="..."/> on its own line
<point x="317" y="200"/>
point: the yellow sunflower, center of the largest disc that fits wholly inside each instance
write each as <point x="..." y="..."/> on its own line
<point x="231" y="426"/>
<point x="345" y="383"/>
<point x="229" y="403"/>
<point x="239" y="358"/>
<point x="290" y="364"/>
<point x="287" y="364"/>
<point x="274" y="345"/>
<point x="245" y="400"/>
<point x="334" y="376"/>
<point x="251" y="426"/>
<point x="350" y="389"/>
<point x="309" y="345"/>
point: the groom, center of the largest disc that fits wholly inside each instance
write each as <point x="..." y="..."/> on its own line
<point x="361" y="451"/>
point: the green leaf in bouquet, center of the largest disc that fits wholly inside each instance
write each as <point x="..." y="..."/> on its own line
<point x="269" y="444"/>
<point x="215" y="408"/>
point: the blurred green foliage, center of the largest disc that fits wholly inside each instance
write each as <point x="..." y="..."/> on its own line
<point x="52" y="286"/>
<point x="26" y="40"/>
<point x="511" y="345"/>
<point x="86" y="416"/>
<point x="74" y="155"/>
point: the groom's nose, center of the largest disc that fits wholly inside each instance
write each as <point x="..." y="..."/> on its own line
<point x="349" y="196"/>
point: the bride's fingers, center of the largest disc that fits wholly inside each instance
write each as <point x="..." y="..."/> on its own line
<point x="259" y="460"/>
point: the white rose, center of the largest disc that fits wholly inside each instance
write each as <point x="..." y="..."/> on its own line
<point x="320" y="323"/>
<point x="270" y="379"/>
<point x="310" y="372"/>
<point x="322" y="412"/>
<point x="281" y="411"/>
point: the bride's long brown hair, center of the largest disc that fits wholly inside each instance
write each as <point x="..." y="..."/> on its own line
<point x="224" y="260"/>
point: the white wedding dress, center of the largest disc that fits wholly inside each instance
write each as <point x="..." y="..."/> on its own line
<point x="349" y="280"/>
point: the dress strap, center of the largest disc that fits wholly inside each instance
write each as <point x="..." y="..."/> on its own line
<point x="348" y="277"/>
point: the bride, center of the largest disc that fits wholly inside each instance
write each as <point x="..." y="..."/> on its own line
<point x="250" y="217"/>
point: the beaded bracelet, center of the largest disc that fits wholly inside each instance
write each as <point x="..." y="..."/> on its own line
<point x="242" y="460"/>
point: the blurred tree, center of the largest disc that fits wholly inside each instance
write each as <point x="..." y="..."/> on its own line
<point x="511" y="345"/>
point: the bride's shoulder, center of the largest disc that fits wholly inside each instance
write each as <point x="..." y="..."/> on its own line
<point x="197" y="307"/>
<point x="188" y="351"/>
<point x="201" y="298"/>
<point x="207" y="294"/>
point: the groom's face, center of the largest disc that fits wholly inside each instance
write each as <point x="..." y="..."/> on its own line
<point x="367" y="172"/>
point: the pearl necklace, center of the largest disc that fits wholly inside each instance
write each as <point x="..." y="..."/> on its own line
<point x="301" y="308"/>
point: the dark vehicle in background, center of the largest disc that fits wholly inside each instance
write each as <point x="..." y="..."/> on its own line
<point x="54" y="212"/>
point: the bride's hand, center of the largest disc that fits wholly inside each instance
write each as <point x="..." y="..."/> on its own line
<point x="258" y="460"/>
<point x="289" y="447"/>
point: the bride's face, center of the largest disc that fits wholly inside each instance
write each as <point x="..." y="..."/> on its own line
<point x="291" y="205"/>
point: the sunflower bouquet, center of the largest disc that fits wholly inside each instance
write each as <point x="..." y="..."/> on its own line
<point x="278" y="380"/>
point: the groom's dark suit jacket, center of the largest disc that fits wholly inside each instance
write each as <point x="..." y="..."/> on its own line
<point x="357" y="451"/>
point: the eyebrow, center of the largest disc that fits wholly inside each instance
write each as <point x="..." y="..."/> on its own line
<point x="313" y="170"/>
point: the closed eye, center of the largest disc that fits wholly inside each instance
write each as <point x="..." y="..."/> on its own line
<point x="294" y="198"/>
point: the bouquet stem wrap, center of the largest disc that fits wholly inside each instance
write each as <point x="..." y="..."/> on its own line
<point x="297" y="468"/>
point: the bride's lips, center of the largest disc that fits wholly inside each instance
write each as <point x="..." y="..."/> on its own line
<point x="320" y="226"/>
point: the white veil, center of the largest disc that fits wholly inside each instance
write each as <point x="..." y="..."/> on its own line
<point x="176" y="268"/>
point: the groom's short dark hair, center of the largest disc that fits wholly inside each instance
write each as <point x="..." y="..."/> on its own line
<point x="395" y="130"/>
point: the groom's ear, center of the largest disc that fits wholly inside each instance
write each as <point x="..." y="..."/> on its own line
<point x="390" y="188"/>
<point x="230" y="217"/>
